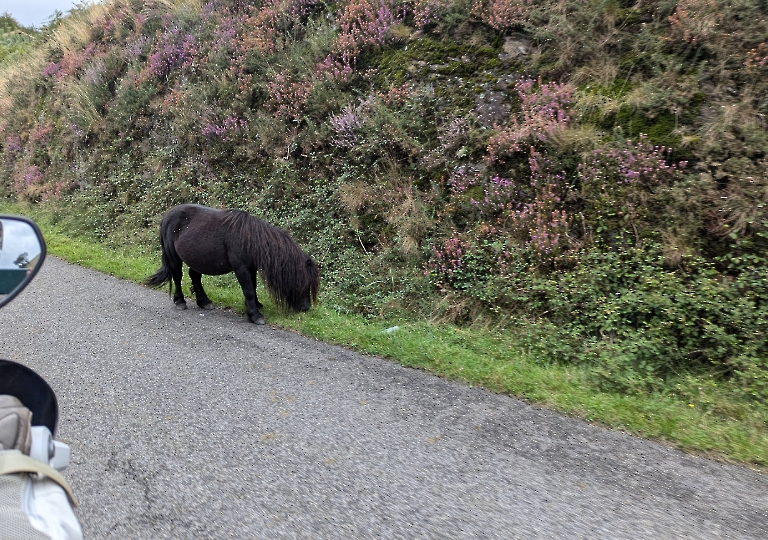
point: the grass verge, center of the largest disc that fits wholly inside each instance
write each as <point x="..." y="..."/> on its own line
<point x="713" y="423"/>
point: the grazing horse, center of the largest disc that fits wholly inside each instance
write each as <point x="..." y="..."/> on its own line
<point x="216" y="242"/>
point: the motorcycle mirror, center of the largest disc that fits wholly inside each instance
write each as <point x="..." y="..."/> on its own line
<point x="22" y="251"/>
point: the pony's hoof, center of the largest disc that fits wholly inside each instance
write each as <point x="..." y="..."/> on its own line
<point x="259" y="321"/>
<point x="207" y="306"/>
<point x="181" y="305"/>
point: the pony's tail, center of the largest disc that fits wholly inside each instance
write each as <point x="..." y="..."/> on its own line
<point x="163" y="273"/>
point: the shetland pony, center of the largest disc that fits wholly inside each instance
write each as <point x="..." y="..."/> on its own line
<point x="215" y="242"/>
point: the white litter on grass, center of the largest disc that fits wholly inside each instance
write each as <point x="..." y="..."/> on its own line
<point x="391" y="329"/>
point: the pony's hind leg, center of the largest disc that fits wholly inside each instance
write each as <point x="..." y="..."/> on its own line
<point x="259" y="305"/>
<point x="178" y="294"/>
<point x="197" y="286"/>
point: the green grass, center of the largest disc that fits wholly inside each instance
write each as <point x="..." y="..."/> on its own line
<point x="701" y="419"/>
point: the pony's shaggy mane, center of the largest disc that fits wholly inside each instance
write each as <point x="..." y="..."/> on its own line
<point x="283" y="264"/>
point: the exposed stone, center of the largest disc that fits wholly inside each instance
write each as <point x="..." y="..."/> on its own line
<point x="514" y="47"/>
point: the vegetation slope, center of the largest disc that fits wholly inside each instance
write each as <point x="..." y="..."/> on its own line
<point x="588" y="177"/>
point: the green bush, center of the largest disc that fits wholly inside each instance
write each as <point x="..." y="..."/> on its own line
<point x="450" y="158"/>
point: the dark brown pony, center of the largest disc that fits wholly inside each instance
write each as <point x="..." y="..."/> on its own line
<point x="216" y="242"/>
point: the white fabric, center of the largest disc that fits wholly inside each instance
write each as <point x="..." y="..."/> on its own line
<point x="14" y="522"/>
<point x="47" y="506"/>
<point x="32" y="506"/>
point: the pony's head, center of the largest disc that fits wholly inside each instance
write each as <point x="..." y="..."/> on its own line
<point x="296" y="283"/>
<point x="297" y="286"/>
<point x="308" y="296"/>
<point x="291" y="276"/>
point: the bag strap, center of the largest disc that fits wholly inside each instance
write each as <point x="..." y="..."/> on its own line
<point x="15" y="462"/>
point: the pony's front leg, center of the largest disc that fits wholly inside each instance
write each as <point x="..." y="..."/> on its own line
<point x="252" y="305"/>
<point x="197" y="286"/>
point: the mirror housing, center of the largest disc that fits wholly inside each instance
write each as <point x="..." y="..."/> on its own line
<point x="22" y="251"/>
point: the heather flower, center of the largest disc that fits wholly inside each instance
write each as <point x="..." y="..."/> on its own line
<point x="172" y="50"/>
<point x="51" y="69"/>
<point x="229" y="129"/>
<point x="460" y="180"/>
<point x="286" y="97"/>
<point x="345" y="126"/>
<point x="426" y="12"/>
<point x="695" y="20"/>
<point x="616" y="182"/>
<point x="135" y="49"/>
<point x="451" y="136"/>
<point x="502" y="14"/>
<point x="334" y="70"/>
<point x="75" y="130"/>
<point x="13" y="144"/>
<point x="543" y="112"/>
<point x="28" y="176"/>
<point x="532" y="215"/>
<point x="640" y="163"/>
<point x="756" y="58"/>
<point x="274" y="19"/>
<point x="39" y="135"/>
<point x="93" y="73"/>
<point x="366" y="23"/>
<point x="447" y="261"/>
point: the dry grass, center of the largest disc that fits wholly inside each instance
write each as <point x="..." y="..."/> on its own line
<point x="16" y="74"/>
<point x="81" y="104"/>
<point x="604" y="71"/>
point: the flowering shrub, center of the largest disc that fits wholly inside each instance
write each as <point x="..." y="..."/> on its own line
<point x="362" y="23"/>
<point x="31" y="174"/>
<point x="173" y="49"/>
<point x="228" y="130"/>
<point x="540" y="224"/>
<point x="695" y="20"/>
<point x="263" y="29"/>
<point x="136" y="49"/>
<point x="451" y="137"/>
<point x="617" y="182"/>
<point x="397" y="96"/>
<point x="500" y="196"/>
<point x="72" y="60"/>
<point x="366" y="23"/>
<point x="502" y="14"/>
<point x="74" y="130"/>
<point x="426" y="12"/>
<point x="757" y="58"/>
<point x="40" y="134"/>
<point x="93" y="73"/>
<point x="543" y="220"/>
<point x="346" y="125"/>
<point x="51" y="69"/>
<point x="269" y="25"/>
<point x="460" y="180"/>
<point x="543" y="112"/>
<point x="333" y="70"/>
<point x="286" y="97"/>
<point x="13" y="144"/>
<point x="447" y="261"/>
<point x="637" y="163"/>
<point x="30" y="183"/>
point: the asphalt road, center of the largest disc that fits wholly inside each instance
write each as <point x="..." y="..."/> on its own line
<point x="199" y="425"/>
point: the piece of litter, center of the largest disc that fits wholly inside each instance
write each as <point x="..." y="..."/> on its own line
<point x="391" y="329"/>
